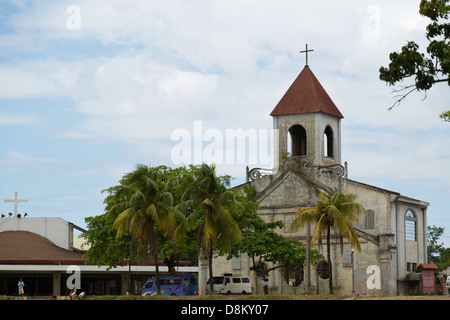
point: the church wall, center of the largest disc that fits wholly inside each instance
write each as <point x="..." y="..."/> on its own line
<point x="284" y="122"/>
<point x="378" y="202"/>
<point x="323" y="120"/>
<point x="343" y="272"/>
<point x="315" y="125"/>
<point x="291" y="193"/>
<point x="260" y="184"/>
<point x="383" y="258"/>
<point x="280" y="205"/>
<point x="389" y="257"/>
<point x="410" y="252"/>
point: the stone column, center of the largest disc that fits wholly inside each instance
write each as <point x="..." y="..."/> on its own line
<point x="202" y="275"/>
<point x="307" y="270"/>
<point x="387" y="264"/>
<point x="57" y="284"/>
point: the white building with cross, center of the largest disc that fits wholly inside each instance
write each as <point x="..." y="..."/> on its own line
<point x="43" y="252"/>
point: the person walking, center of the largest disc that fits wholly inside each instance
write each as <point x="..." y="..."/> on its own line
<point x="21" y="284"/>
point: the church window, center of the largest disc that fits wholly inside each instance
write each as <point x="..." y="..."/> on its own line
<point x="370" y="219"/>
<point x="287" y="222"/>
<point x="328" y="142"/>
<point x="323" y="270"/>
<point x="297" y="141"/>
<point x="411" y="267"/>
<point x="410" y="226"/>
<point x="293" y="274"/>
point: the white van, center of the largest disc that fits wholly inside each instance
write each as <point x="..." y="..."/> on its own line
<point x="228" y="284"/>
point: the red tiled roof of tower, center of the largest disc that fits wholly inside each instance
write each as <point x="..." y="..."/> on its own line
<point x="306" y="95"/>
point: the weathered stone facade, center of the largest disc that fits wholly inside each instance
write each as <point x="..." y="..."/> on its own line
<point x="385" y="252"/>
<point x="392" y="233"/>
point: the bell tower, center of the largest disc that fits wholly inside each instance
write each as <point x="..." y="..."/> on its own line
<point x="308" y="122"/>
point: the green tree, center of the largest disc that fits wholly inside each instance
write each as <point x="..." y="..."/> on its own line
<point x="426" y="70"/>
<point x="263" y="244"/>
<point x="147" y="213"/>
<point x="211" y="206"/>
<point x="435" y="250"/>
<point x="104" y="247"/>
<point x="336" y="211"/>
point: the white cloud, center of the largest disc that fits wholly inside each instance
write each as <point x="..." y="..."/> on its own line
<point x="15" y="161"/>
<point x="17" y="119"/>
<point x="38" y="78"/>
<point x="415" y="156"/>
<point x="127" y="98"/>
<point x="137" y="70"/>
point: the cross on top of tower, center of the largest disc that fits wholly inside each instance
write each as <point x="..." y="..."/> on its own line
<point x="306" y="51"/>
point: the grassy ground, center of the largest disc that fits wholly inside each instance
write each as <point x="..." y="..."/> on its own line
<point x="221" y="297"/>
<point x="269" y="297"/>
<point x="258" y="297"/>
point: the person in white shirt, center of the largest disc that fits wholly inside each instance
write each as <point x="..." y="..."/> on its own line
<point x="21" y="284"/>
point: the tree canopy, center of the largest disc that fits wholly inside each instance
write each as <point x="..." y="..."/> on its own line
<point x="109" y="249"/>
<point x="335" y="211"/>
<point x="264" y="245"/>
<point x="217" y="220"/>
<point x="425" y="69"/>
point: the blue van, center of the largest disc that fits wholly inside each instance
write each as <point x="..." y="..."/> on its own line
<point x="172" y="285"/>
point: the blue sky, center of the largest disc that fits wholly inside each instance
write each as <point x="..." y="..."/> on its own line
<point x="81" y="105"/>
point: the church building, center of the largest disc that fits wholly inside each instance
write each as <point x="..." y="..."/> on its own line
<point x="43" y="252"/>
<point x="392" y="232"/>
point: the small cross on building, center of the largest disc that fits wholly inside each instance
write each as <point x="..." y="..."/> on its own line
<point x="306" y="51"/>
<point x="16" y="202"/>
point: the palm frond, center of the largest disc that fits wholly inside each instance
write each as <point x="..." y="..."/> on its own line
<point x="320" y="227"/>
<point x="123" y="221"/>
<point x="303" y="216"/>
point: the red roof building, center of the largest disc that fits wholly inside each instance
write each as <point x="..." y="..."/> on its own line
<point x="41" y="251"/>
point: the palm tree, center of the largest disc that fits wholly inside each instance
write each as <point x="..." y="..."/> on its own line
<point x="147" y="211"/>
<point x="211" y="205"/>
<point x="336" y="211"/>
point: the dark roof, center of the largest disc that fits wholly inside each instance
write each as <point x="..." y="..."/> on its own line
<point x="306" y="95"/>
<point x="27" y="247"/>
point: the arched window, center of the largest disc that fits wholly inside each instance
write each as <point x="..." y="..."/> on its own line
<point x="328" y="142"/>
<point x="370" y="219"/>
<point x="410" y="226"/>
<point x="323" y="269"/>
<point x="293" y="274"/>
<point x="297" y="141"/>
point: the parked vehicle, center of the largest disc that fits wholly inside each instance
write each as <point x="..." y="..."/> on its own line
<point x="172" y="285"/>
<point x="229" y="284"/>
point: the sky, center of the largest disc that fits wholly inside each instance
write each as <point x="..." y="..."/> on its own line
<point x="89" y="89"/>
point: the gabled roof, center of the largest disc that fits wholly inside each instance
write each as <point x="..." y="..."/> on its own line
<point x="306" y="95"/>
<point x="306" y="179"/>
